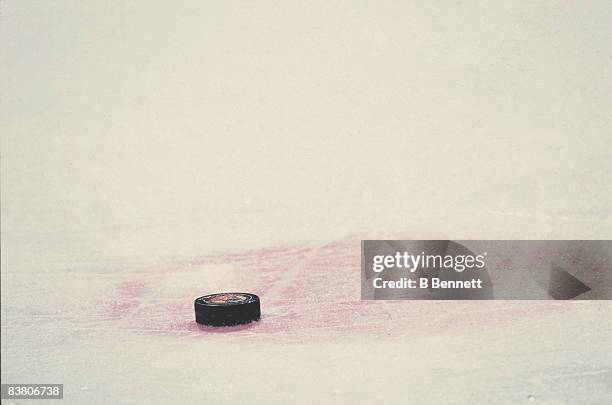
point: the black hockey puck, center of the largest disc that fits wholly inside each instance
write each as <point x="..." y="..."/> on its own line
<point x="227" y="309"/>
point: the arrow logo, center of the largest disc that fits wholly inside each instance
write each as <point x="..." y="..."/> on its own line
<point x="563" y="286"/>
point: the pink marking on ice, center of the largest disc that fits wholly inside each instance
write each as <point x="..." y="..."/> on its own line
<point x="305" y="291"/>
<point x="131" y="289"/>
<point x="127" y="300"/>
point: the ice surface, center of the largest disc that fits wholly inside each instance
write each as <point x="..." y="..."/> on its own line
<point x="153" y="152"/>
<point x="126" y="331"/>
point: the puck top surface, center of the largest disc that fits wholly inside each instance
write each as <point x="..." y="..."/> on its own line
<point x="226" y="299"/>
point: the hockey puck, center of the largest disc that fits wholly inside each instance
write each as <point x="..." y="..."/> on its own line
<point x="227" y="309"/>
